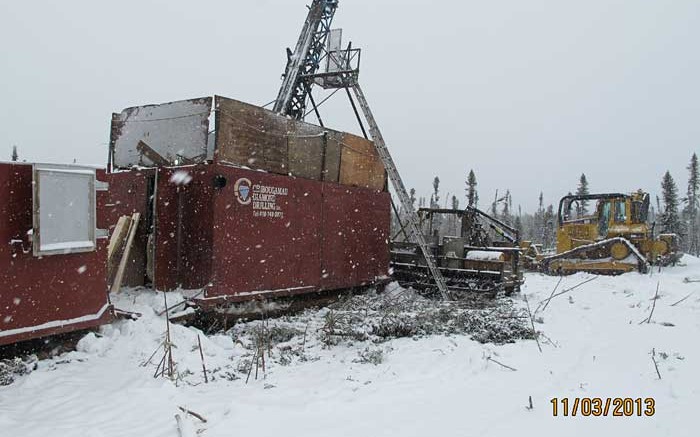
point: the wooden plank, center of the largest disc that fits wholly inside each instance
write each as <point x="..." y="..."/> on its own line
<point x="251" y="136"/>
<point x="151" y="154"/>
<point x="331" y="163"/>
<point x="118" y="236"/>
<point x="305" y="150"/>
<point x="116" y="244"/>
<point x="360" y="164"/>
<point x="116" y="285"/>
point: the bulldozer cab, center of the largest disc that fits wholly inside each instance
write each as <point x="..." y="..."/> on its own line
<point x="624" y="215"/>
<point x="604" y="208"/>
<point x="615" y="214"/>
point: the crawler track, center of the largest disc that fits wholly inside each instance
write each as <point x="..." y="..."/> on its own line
<point x="596" y="258"/>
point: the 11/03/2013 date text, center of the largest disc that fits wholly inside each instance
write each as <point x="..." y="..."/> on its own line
<point x="603" y="407"/>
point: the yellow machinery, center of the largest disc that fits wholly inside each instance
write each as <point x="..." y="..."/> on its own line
<point x="614" y="239"/>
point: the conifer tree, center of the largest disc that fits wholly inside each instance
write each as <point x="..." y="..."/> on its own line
<point x="582" y="190"/>
<point x="518" y="224"/>
<point x="435" y="198"/>
<point x="539" y="222"/>
<point x="549" y="228"/>
<point x="472" y="195"/>
<point x="15" y="156"/>
<point x="692" y="201"/>
<point x="670" y="220"/>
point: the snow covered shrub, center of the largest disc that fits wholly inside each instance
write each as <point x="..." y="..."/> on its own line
<point x="370" y="356"/>
<point x="395" y="326"/>
<point x="338" y="325"/>
<point x="282" y="334"/>
<point x="406" y="314"/>
<point x="10" y="369"/>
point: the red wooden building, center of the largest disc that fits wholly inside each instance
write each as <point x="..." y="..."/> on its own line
<point x="261" y="206"/>
<point x="55" y="280"/>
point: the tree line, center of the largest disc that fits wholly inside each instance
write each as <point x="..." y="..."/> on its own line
<point x="670" y="213"/>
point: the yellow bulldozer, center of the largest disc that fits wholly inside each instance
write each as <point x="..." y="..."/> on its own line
<point x="616" y="238"/>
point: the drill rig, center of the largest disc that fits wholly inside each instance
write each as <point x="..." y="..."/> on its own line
<point x="451" y="265"/>
<point x="475" y="252"/>
<point x="319" y="59"/>
<point x="614" y="239"/>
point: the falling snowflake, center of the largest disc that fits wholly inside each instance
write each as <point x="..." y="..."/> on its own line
<point x="180" y="177"/>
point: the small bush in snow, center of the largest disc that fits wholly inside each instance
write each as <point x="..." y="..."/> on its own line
<point x="10" y="369"/>
<point x="370" y="356"/>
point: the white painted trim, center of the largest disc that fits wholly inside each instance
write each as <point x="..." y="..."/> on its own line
<point x="255" y="293"/>
<point x="55" y="323"/>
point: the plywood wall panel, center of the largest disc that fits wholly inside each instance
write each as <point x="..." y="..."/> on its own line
<point x="360" y="165"/>
<point x="250" y="136"/>
<point x="306" y="144"/>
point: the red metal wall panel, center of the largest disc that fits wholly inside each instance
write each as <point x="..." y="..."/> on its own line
<point x="166" y="210"/>
<point x="197" y="228"/>
<point x="266" y="233"/>
<point x="355" y="234"/>
<point x="127" y="194"/>
<point x="312" y="236"/>
<point x="48" y="295"/>
<point x="336" y="263"/>
<point x="184" y="227"/>
<point x="373" y="230"/>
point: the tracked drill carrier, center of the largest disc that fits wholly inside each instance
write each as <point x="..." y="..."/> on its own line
<point x="616" y="238"/>
<point x="474" y="252"/>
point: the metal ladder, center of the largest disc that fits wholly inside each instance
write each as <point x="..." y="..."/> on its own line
<point x="400" y="189"/>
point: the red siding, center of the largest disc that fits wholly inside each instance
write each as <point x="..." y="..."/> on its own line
<point x="355" y="235"/>
<point x="254" y="253"/>
<point x="127" y="194"/>
<point x="314" y="236"/>
<point x="37" y="291"/>
<point x="197" y="228"/>
<point x="183" y="213"/>
<point x="165" y="264"/>
<point x="327" y="236"/>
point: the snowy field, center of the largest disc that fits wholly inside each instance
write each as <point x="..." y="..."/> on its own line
<point x="592" y="342"/>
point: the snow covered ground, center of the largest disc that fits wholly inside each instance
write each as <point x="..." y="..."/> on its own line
<point x="593" y="345"/>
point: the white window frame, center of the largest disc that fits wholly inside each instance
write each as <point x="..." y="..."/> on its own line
<point x="62" y="248"/>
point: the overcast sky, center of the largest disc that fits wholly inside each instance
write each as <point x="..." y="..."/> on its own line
<point x="529" y="94"/>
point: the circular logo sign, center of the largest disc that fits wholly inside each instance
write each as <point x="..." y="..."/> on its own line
<point x="242" y="190"/>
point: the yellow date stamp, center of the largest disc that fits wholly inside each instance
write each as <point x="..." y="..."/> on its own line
<point x="616" y="407"/>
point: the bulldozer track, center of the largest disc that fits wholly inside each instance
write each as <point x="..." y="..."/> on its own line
<point x="591" y="253"/>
